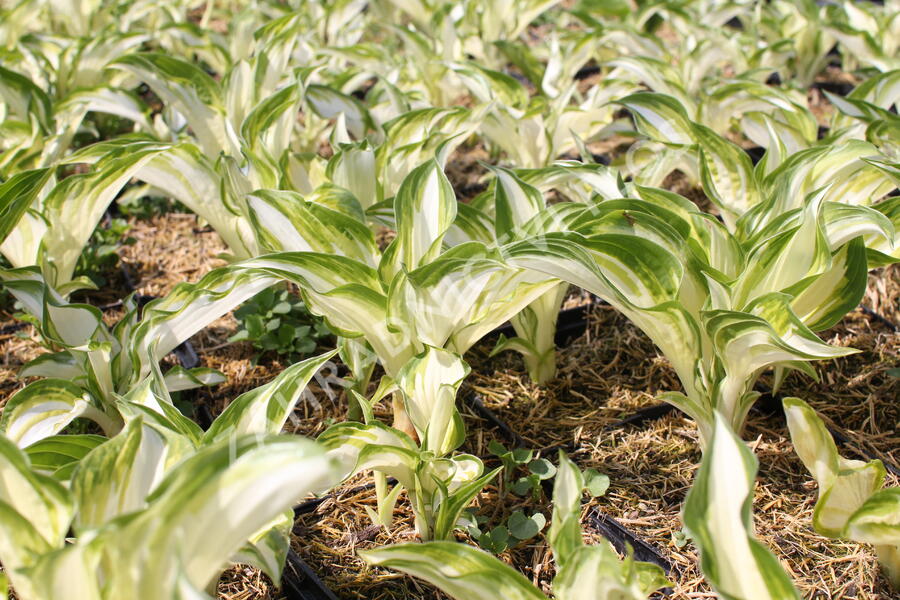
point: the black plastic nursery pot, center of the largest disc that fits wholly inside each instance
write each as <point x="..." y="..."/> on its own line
<point x="299" y="582"/>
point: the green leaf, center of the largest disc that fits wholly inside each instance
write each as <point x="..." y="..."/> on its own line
<point x="542" y="467"/>
<point x="525" y="528"/>
<point x="496" y="540"/>
<point x="595" y="483"/>
<point x="496" y="448"/>
<point x="523" y="485"/>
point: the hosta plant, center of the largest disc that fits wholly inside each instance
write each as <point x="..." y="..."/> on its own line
<point x="440" y="483"/>
<point x="515" y="204"/>
<point x="60" y="218"/>
<point x="718" y="517"/>
<point x="171" y="540"/>
<point x="852" y="503"/>
<point x="720" y="311"/>
<point x="89" y="364"/>
<point x="416" y="293"/>
<point x="867" y="35"/>
<point x="110" y="480"/>
<point x="583" y="572"/>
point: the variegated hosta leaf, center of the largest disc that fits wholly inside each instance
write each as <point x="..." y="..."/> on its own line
<point x="17" y="195"/>
<point x="660" y="117"/>
<point x="187" y="309"/>
<point x="268" y="548"/>
<point x="425" y="207"/>
<point x="439" y="488"/>
<point x="636" y="219"/>
<point x="461" y="571"/>
<point x="748" y="342"/>
<point x="429" y="383"/>
<point x="462" y="295"/>
<point x="58" y="455"/>
<point x="264" y="410"/>
<point x="116" y="477"/>
<point x="61" y="365"/>
<point x="193" y="92"/>
<point x="416" y="137"/>
<point x="267" y="129"/>
<point x="44" y="408"/>
<point x="591" y="572"/>
<point x="844" y="485"/>
<point x="576" y="180"/>
<point x="213" y="502"/>
<point x="787" y="256"/>
<point x="108" y="100"/>
<point x="522" y="134"/>
<point x="536" y="329"/>
<point x="23" y="99"/>
<point x="70" y="571"/>
<point x="717" y="515"/>
<point x="353" y="167"/>
<point x="200" y="516"/>
<point x="284" y="221"/>
<point x="877" y="522"/>
<point x="186" y="174"/>
<point x="837" y="291"/>
<point x="149" y="401"/>
<point x="35" y="513"/>
<point x="347" y="293"/>
<point x="345" y="442"/>
<point x="471" y="225"/>
<point x="841" y="173"/>
<point x="727" y="174"/>
<point x="745" y="97"/>
<point x="329" y="103"/>
<point x="75" y="206"/>
<point x="597" y="573"/>
<point x="661" y="77"/>
<point x="91" y="356"/>
<point x="453" y="484"/>
<point x="178" y="378"/>
<point x="636" y="276"/>
<point x="564" y="535"/>
<point x="515" y="203"/>
<point x="21" y="243"/>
